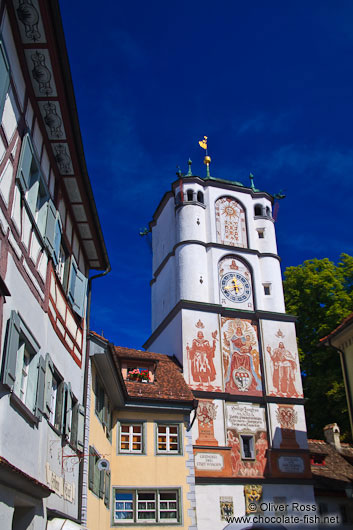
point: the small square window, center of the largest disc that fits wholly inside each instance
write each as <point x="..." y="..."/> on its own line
<point x="168" y="439"/>
<point x="131" y="438"/>
<point x="267" y="289"/>
<point x="261" y="233"/>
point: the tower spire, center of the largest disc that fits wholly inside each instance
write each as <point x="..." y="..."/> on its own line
<point x="207" y="159"/>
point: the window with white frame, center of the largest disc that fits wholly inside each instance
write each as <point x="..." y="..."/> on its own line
<point x="168" y="438"/>
<point x="131" y="438"/>
<point x="146" y="506"/>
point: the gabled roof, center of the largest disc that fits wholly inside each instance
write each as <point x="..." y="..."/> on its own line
<point x="168" y="384"/>
<point x="336" y="473"/>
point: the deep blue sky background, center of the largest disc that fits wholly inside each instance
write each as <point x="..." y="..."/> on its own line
<point x="270" y="85"/>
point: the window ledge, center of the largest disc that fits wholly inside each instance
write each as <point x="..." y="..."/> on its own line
<point x="194" y="203"/>
<point x="23" y="409"/>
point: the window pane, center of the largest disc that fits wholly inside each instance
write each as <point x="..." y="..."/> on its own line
<point x="173" y="430"/>
<point x="162" y="428"/>
<point x="136" y="428"/>
<point x="125" y="428"/>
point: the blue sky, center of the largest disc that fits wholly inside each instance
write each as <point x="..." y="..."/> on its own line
<point x="270" y="85"/>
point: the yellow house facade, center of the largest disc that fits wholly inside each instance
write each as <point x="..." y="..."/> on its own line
<point x="141" y="470"/>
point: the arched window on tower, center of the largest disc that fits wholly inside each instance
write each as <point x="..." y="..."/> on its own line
<point x="268" y="212"/>
<point x="178" y="198"/>
<point x="258" y="209"/>
<point x="190" y="195"/>
<point x="230" y="222"/>
<point x="200" y="197"/>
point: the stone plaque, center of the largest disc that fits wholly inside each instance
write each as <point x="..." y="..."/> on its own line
<point x="291" y="464"/>
<point x="245" y="417"/>
<point x="209" y="462"/>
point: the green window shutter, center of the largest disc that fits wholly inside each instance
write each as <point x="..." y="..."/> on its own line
<point x="40" y="408"/>
<point x="24" y="171"/>
<point x="101" y="483"/>
<point x="92" y="463"/>
<point x="60" y="407"/>
<point x="12" y="345"/>
<point x="80" y="428"/>
<point x="50" y="228"/>
<point x="4" y="77"/>
<point x="49" y="374"/>
<point x="74" y="424"/>
<point x="107" y="489"/>
<point x="68" y="411"/>
<point x="77" y="288"/>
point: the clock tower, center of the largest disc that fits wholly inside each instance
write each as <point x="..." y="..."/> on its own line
<point x="218" y="306"/>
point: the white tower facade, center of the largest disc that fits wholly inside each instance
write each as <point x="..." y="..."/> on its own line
<point x="218" y="306"/>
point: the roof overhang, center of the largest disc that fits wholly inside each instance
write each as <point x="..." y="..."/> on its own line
<point x="46" y="49"/>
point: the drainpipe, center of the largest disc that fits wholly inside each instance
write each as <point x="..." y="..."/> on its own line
<point x="346" y="382"/>
<point x="83" y="478"/>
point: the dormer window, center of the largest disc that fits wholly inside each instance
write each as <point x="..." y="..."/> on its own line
<point x="139" y="372"/>
<point x="317" y="460"/>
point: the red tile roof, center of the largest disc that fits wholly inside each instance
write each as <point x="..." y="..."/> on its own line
<point x="336" y="473"/>
<point x="169" y="383"/>
<point x="348" y="320"/>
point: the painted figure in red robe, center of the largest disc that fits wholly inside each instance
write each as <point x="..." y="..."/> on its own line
<point x="284" y="370"/>
<point x="201" y="356"/>
<point x="261" y="448"/>
<point x="233" y="442"/>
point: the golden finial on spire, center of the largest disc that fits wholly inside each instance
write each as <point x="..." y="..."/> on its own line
<point x="207" y="159"/>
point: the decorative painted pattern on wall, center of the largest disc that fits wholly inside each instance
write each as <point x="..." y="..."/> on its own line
<point x="203" y="357"/>
<point x="246" y="435"/>
<point x="230" y="222"/>
<point x="281" y="359"/>
<point x="241" y="358"/>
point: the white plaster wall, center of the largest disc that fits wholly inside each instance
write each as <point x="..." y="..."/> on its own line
<point x="165" y="291"/>
<point x="27" y="447"/>
<point x="192" y="267"/>
<point x="268" y="242"/>
<point x="163" y="234"/>
<point x="300" y="426"/>
<point x="270" y="271"/>
<point x="169" y="341"/>
<point x="191" y="223"/>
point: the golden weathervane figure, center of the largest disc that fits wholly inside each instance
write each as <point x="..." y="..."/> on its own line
<point x="207" y="159"/>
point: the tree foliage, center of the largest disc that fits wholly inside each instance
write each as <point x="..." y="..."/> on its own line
<point x="320" y="293"/>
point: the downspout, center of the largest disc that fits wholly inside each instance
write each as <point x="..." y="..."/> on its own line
<point x="347" y="386"/>
<point x="83" y="479"/>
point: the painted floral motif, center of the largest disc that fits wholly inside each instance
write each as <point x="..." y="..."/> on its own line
<point x="230" y="222"/>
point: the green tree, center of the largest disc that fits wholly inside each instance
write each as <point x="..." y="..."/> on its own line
<point x="320" y="293"/>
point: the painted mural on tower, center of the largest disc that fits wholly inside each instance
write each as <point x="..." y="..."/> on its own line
<point x="282" y="362"/>
<point x="241" y="358"/>
<point x="230" y="222"/>
<point x="203" y="357"/>
<point x="246" y="435"/>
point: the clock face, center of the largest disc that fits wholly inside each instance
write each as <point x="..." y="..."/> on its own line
<point x="235" y="287"/>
